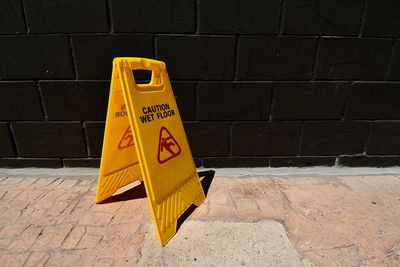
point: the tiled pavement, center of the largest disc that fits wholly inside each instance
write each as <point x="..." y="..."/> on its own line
<point x="330" y="221"/>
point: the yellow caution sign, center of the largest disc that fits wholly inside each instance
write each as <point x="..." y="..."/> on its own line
<point x="144" y="140"/>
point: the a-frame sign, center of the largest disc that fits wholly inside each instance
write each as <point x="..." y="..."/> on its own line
<point x="144" y="140"/>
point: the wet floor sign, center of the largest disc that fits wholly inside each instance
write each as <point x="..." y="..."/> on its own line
<point x="144" y="140"/>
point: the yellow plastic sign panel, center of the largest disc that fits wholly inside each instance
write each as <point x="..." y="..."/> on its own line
<point x="144" y="140"/>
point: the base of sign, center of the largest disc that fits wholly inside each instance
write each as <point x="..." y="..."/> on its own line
<point x="117" y="179"/>
<point x="168" y="211"/>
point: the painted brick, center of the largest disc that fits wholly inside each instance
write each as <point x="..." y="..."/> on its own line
<point x="94" y="53"/>
<point x="71" y="100"/>
<point x="6" y="143"/>
<point x="352" y="58"/>
<point x="19" y="101"/>
<point x="384" y="138"/>
<point x="208" y="138"/>
<point x="185" y="98"/>
<point x="374" y="101"/>
<point x="30" y="162"/>
<point x="249" y="17"/>
<point x="275" y="58"/>
<point x="35" y="57"/>
<point x="46" y="139"/>
<point x="83" y="162"/>
<point x="334" y="138"/>
<point x="307" y="101"/>
<point x="208" y="58"/>
<point x="301" y="161"/>
<point x="234" y="101"/>
<point x="221" y="162"/>
<point x="67" y="259"/>
<point x="95" y="134"/>
<point x="173" y="16"/>
<point x="364" y="161"/>
<point x="382" y="18"/>
<point x="265" y="138"/>
<point x="394" y="69"/>
<point x="11" y="17"/>
<point x="329" y="17"/>
<point x="66" y="16"/>
<point x="24" y="241"/>
<point x="49" y="75"/>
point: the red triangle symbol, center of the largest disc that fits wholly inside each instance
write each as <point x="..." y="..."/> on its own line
<point x="127" y="139"/>
<point x="168" y="148"/>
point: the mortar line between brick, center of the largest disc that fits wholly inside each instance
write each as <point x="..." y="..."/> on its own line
<point x="364" y="14"/>
<point x="269" y="161"/>
<point x="26" y="260"/>
<point x="276" y="156"/>
<point x="236" y="59"/>
<point x="281" y="19"/>
<point x="41" y="99"/>
<point x="241" y="121"/>
<point x="271" y="102"/>
<point x="139" y="249"/>
<point x="155" y="46"/>
<point x="203" y="35"/>
<point x="68" y="234"/>
<point x="232" y="199"/>
<point x="214" y="81"/>
<point x="197" y="102"/>
<point x="346" y="101"/>
<point x="80" y="239"/>
<point x="62" y="162"/>
<point x="109" y="16"/>
<point x="20" y="232"/>
<point x="24" y="210"/>
<point x="83" y="132"/>
<point x="76" y="204"/>
<point x="390" y="61"/>
<point x="231" y="140"/>
<point x="12" y="137"/>
<point x="112" y="218"/>
<point x="52" y="182"/>
<point x="86" y="139"/>
<point x="47" y="260"/>
<point x="336" y="163"/>
<point x="1" y="198"/>
<point x="197" y="17"/>
<point x="28" y="31"/>
<point x="371" y="124"/>
<point x="315" y="58"/>
<point x="37" y="237"/>
<point x="14" y="140"/>
<point x="73" y="57"/>
<point x="301" y="138"/>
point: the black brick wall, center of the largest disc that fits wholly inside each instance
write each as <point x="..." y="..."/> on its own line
<point x="258" y="83"/>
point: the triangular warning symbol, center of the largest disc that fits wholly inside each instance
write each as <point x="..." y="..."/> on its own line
<point x="127" y="139"/>
<point x="168" y="148"/>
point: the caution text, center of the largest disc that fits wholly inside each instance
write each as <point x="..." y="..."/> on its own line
<point x="156" y="112"/>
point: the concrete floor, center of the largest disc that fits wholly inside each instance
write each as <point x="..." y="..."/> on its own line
<point x="50" y="218"/>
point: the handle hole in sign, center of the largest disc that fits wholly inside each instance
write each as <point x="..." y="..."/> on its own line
<point x="142" y="76"/>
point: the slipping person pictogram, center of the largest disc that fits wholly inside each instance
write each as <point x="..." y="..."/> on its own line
<point x="168" y="148"/>
<point x="167" y="145"/>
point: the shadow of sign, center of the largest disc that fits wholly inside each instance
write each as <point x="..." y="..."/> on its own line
<point x="206" y="180"/>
